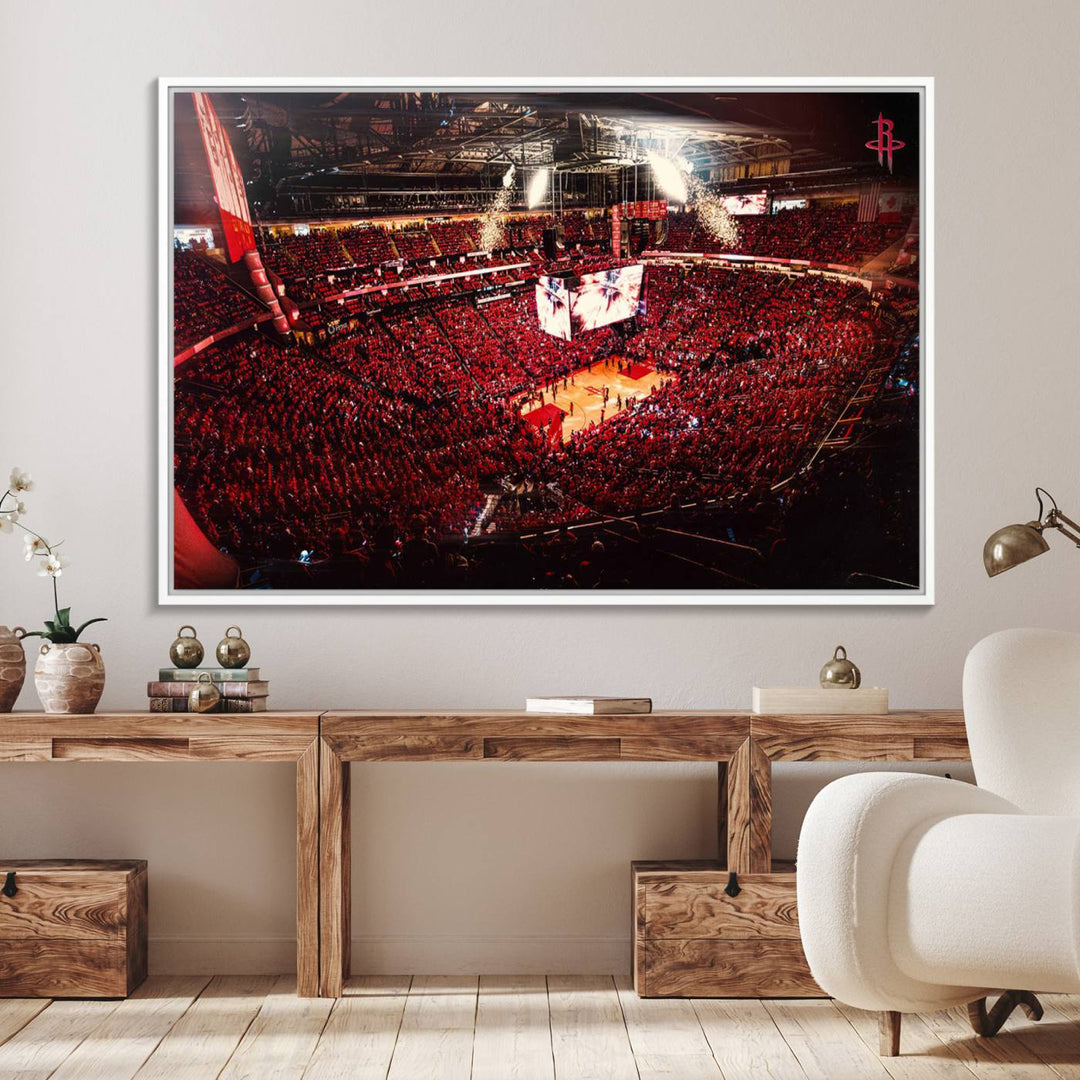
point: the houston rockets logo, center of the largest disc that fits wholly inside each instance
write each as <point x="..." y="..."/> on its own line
<point x="886" y="144"/>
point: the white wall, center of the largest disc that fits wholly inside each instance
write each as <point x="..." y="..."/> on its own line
<point x="513" y="866"/>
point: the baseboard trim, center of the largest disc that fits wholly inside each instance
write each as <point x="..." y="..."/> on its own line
<point x="221" y="956"/>
<point x="445" y="954"/>
<point x="431" y="954"/>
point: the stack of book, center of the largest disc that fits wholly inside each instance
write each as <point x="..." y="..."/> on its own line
<point x="241" y="689"/>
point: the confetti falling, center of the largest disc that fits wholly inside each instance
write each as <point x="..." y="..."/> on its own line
<point x="493" y="222"/>
<point x="709" y="208"/>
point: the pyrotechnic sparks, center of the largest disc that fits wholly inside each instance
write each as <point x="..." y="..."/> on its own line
<point x="709" y="208"/>
<point x="493" y="222"/>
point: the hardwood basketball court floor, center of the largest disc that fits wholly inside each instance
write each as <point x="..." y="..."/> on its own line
<point x="586" y="393"/>
<point x="526" y="1027"/>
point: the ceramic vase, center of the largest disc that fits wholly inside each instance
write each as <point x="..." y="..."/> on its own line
<point x="69" y="678"/>
<point x="12" y="666"/>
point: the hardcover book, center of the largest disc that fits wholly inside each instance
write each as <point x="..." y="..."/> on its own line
<point x="229" y="705"/>
<point x="218" y="674"/>
<point x="226" y="689"/>
<point x="588" y="706"/>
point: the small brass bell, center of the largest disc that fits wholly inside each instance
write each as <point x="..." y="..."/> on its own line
<point x="204" y="695"/>
<point x="233" y="652"/>
<point x="186" y="651"/>
<point x="840" y="673"/>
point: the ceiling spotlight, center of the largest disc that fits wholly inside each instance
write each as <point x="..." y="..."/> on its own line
<point x="538" y="186"/>
<point x="508" y="177"/>
<point x="669" y="176"/>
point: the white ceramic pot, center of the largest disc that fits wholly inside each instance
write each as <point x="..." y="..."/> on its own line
<point x="69" y="678"/>
<point x="12" y="666"/>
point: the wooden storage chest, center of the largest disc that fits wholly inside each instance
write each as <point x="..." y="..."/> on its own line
<point x="71" y="928"/>
<point x="692" y="939"/>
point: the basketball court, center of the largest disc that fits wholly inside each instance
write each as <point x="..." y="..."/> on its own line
<point x="582" y="402"/>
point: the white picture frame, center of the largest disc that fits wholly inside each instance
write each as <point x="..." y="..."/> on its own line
<point x="924" y="595"/>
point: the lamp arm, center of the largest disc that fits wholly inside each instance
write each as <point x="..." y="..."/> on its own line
<point x="1056" y="518"/>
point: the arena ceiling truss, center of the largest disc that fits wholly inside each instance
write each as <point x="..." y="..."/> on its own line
<point x="379" y="147"/>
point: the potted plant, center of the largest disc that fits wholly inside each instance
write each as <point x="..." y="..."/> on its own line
<point x="69" y="674"/>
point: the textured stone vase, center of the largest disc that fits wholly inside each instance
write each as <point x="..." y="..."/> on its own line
<point x="12" y="666"/>
<point x="69" y="678"/>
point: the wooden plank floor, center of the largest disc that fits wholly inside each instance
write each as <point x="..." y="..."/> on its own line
<point x="524" y="1027"/>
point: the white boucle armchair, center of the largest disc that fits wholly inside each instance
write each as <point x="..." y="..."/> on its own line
<point x="917" y="893"/>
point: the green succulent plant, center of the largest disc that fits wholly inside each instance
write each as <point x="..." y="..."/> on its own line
<point x="60" y="631"/>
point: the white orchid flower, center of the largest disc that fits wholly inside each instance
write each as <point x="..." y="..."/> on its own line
<point x="20" y="481"/>
<point x="7" y="520"/>
<point x="54" y="565"/>
<point x="34" y="545"/>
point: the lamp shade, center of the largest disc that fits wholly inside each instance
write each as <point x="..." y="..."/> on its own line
<point x="1012" y="545"/>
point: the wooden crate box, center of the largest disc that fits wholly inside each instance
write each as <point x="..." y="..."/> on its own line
<point x="691" y="939"/>
<point x="72" y="928"/>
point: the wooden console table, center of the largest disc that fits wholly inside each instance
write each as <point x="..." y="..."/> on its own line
<point x="743" y="745"/>
<point x="269" y="736"/>
<point x="322" y="745"/>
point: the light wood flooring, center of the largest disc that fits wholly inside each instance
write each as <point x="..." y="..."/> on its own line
<point x="245" y="1027"/>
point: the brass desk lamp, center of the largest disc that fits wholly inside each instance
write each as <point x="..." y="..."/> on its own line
<point x="1014" y="544"/>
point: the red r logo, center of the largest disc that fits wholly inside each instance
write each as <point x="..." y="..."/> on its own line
<point x="885" y="144"/>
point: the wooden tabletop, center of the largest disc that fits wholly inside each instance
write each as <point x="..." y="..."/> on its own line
<point x="686" y="735"/>
<point x="151" y="736"/>
<point x="479" y="735"/>
<point x="902" y="735"/>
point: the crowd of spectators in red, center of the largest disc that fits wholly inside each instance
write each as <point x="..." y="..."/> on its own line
<point x="454" y="237"/>
<point x="820" y="235"/>
<point x="293" y="255"/>
<point x="205" y="300"/>
<point x="401" y="431"/>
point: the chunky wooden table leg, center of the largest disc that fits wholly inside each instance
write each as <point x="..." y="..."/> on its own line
<point x="334" y="872"/>
<point x="722" y="812"/>
<point x="749" y="810"/>
<point x="307" y="871"/>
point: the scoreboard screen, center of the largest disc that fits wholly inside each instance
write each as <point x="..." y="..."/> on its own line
<point x="553" y="306"/>
<point x="756" y="203"/>
<point x="608" y="297"/>
<point x="567" y="306"/>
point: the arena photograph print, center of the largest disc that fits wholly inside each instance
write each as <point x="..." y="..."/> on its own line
<point x="537" y="341"/>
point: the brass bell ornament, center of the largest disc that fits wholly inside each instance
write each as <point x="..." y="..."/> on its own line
<point x="186" y="651"/>
<point x="840" y="673"/>
<point x="204" y="695"/>
<point x="233" y="652"/>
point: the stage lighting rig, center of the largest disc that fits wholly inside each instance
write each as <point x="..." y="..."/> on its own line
<point x="669" y="177"/>
<point x="538" y="187"/>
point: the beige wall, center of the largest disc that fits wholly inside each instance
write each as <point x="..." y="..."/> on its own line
<point x="495" y="867"/>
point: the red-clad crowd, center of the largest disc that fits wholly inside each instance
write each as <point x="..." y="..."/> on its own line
<point x="820" y="235"/>
<point x="303" y="256"/>
<point x="745" y="405"/>
<point x="205" y="300"/>
<point x="278" y="453"/>
<point x="454" y="237"/>
<point x="414" y="244"/>
<point x="336" y="450"/>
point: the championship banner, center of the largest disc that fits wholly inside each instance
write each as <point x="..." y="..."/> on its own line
<point x="228" y="181"/>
